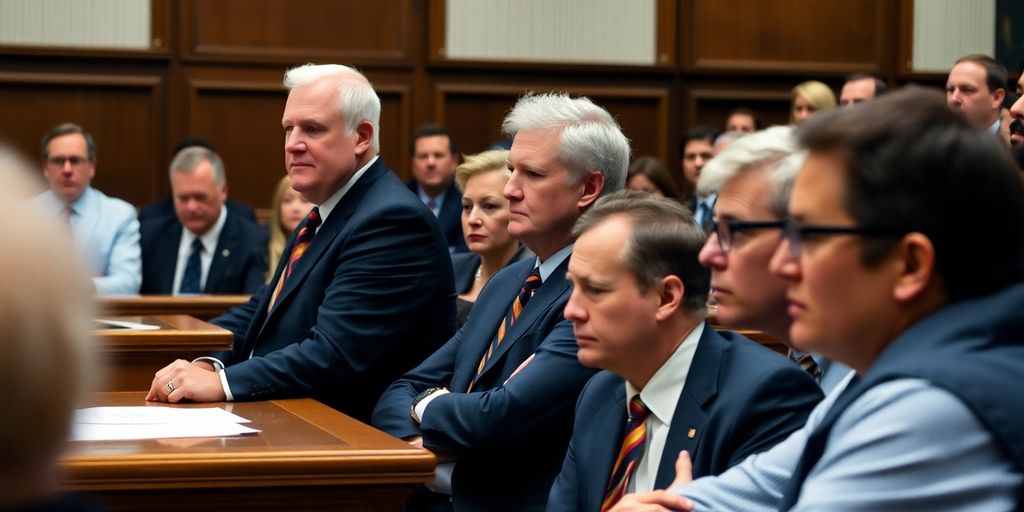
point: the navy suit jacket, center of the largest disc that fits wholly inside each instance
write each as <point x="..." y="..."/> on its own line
<point x="739" y="398"/>
<point x="509" y="437"/>
<point x="370" y="298"/>
<point x="450" y="217"/>
<point x="239" y="262"/>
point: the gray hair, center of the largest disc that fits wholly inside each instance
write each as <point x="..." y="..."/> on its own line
<point x="186" y="160"/>
<point x="590" y="139"/>
<point x="665" y="241"/>
<point x="775" y="147"/>
<point x="67" y="129"/>
<point x="727" y="138"/>
<point x="357" y="101"/>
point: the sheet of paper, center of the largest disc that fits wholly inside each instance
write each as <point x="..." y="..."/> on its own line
<point x="137" y="415"/>
<point x="104" y="323"/>
<point x="155" y="422"/>
<point x="108" y="432"/>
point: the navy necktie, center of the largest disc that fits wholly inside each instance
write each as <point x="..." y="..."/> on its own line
<point x="193" y="269"/>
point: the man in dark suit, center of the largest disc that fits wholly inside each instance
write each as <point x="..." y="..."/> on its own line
<point x="203" y="247"/>
<point x="434" y="159"/>
<point x="671" y="382"/>
<point x="365" y="289"/>
<point x="498" y="397"/>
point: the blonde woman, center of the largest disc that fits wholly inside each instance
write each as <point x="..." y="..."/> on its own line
<point x="481" y="179"/>
<point x="288" y="210"/>
<point x="808" y="98"/>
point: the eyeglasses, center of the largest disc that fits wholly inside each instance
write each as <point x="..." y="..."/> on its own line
<point x="727" y="230"/>
<point x="58" y="161"/>
<point x="798" y="235"/>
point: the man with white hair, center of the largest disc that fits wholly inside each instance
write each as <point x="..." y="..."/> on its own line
<point x="364" y="290"/>
<point x="753" y="177"/>
<point x="499" y="396"/>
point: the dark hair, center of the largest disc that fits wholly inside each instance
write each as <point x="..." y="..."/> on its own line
<point x="909" y="161"/>
<point x="880" y="86"/>
<point x="665" y="241"/>
<point x="995" y="73"/>
<point x="744" y="111"/>
<point x="67" y="129"/>
<point x="431" y="130"/>
<point x="700" y="132"/>
<point x="655" y="171"/>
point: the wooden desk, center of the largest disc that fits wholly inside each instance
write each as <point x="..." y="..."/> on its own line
<point x="130" y="357"/>
<point x="200" y="306"/>
<point x="307" y="457"/>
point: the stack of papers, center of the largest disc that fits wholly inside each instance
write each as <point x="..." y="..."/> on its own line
<point x="155" y="422"/>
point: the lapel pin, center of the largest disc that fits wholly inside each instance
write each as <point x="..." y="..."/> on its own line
<point x="225" y="253"/>
<point x="692" y="433"/>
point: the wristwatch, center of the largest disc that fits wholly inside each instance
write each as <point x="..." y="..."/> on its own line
<point x="419" y="398"/>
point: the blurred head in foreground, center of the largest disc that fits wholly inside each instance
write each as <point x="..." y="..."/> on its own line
<point x="45" y="343"/>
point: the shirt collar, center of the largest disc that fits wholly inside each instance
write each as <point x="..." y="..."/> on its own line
<point x="661" y="394"/>
<point x="548" y="267"/>
<point x="994" y="129"/>
<point x="328" y="206"/>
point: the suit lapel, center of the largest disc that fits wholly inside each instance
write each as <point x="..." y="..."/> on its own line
<point x="543" y="298"/>
<point x="689" y="419"/>
<point x="225" y="244"/>
<point x="609" y="420"/>
<point x="170" y="246"/>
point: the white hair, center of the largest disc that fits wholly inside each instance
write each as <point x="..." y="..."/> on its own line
<point x="187" y="159"/>
<point x="45" y="331"/>
<point x="590" y="139"/>
<point x="358" y="102"/>
<point x="775" y="146"/>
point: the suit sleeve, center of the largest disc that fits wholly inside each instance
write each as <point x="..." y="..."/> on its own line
<point x="777" y="406"/>
<point x="123" y="274"/>
<point x="565" y="492"/>
<point x="528" y="402"/>
<point x="237" y="320"/>
<point x="392" y="412"/>
<point x="383" y="278"/>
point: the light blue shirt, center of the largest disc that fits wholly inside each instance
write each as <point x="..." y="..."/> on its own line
<point x="437" y="200"/>
<point x="902" y="445"/>
<point x="106" y="233"/>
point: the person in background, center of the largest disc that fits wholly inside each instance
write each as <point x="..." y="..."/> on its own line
<point x="481" y="180"/>
<point x="434" y="158"/>
<point x="976" y="87"/>
<point x="105" y="229"/>
<point x="647" y="174"/>
<point x="48" y="353"/>
<point x="696" y="149"/>
<point x="723" y="140"/>
<point x="204" y="248"/>
<point x="742" y="120"/>
<point x="287" y="210"/>
<point x="861" y="87"/>
<point x="808" y="98"/>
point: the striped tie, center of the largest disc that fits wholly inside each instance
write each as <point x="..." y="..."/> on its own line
<point x="525" y="293"/>
<point x="629" y="455"/>
<point x="807" y="362"/>
<point x="302" y="241"/>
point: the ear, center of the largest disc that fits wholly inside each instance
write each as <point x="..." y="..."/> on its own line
<point x="997" y="96"/>
<point x="224" y="191"/>
<point x="670" y="297"/>
<point x="592" y="188"/>
<point x="917" y="267"/>
<point x="364" y="140"/>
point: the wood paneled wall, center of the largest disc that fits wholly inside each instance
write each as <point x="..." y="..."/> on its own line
<point x="215" y="66"/>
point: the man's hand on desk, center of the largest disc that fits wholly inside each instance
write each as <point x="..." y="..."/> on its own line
<point x="182" y="380"/>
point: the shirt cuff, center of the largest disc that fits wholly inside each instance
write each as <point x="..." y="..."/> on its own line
<point x="422" y="406"/>
<point x="224" y="383"/>
<point x="217" y="364"/>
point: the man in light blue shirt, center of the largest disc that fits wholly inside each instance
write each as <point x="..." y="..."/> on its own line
<point x="105" y="229"/>
<point x="879" y="279"/>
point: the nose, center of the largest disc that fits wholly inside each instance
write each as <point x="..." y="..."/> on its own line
<point x="1017" y="109"/>
<point x="293" y="142"/>
<point x="573" y="312"/>
<point x="783" y="264"/>
<point x="474" y="216"/>
<point x="512" y="190"/>
<point x="711" y="254"/>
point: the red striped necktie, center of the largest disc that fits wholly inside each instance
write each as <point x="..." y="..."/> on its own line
<point x="630" y="453"/>
<point x="302" y="241"/>
<point x="530" y="286"/>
